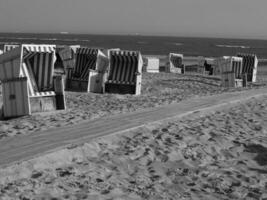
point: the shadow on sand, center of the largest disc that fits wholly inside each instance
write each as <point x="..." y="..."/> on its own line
<point x="261" y="151"/>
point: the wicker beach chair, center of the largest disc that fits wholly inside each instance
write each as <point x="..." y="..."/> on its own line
<point x="28" y="81"/>
<point x="194" y="65"/>
<point x="231" y="71"/>
<point x="175" y="63"/>
<point x="89" y="71"/>
<point x="124" y="72"/>
<point x="250" y="66"/>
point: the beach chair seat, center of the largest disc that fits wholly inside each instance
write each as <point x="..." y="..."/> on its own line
<point x="89" y="70"/>
<point x="124" y="72"/>
<point x="250" y="66"/>
<point x="175" y="63"/>
<point x="29" y="84"/>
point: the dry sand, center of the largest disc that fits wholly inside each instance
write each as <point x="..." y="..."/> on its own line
<point x="219" y="156"/>
<point x="157" y="89"/>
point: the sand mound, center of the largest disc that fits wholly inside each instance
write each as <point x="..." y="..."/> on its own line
<point x="219" y="156"/>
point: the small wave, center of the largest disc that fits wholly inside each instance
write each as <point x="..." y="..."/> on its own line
<point x="178" y="44"/>
<point x="232" y="46"/>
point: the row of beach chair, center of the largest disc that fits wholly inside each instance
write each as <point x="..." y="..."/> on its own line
<point x="30" y="82"/>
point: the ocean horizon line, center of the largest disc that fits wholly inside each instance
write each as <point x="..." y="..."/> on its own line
<point x="138" y="35"/>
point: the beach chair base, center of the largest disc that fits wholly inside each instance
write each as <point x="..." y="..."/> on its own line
<point x="17" y="102"/>
<point x="229" y="80"/>
<point x="119" y="88"/>
<point x="77" y="85"/>
<point x="43" y="104"/>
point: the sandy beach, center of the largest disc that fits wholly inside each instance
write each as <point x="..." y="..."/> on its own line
<point x="218" y="156"/>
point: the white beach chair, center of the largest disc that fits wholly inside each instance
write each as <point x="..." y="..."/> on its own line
<point x="28" y="81"/>
<point x="175" y="63"/>
<point x="151" y="65"/>
<point x="124" y="72"/>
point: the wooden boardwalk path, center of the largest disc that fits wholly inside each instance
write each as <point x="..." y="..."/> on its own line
<point x="24" y="147"/>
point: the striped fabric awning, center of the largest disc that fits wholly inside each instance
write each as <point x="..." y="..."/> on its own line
<point x="40" y="48"/>
<point x="176" y="60"/>
<point x="123" y="67"/>
<point x="249" y="64"/>
<point x="39" y="61"/>
<point x="237" y="66"/>
<point x="86" y="59"/>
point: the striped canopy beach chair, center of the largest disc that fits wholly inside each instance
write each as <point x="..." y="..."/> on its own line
<point x="175" y="63"/>
<point x="8" y="47"/>
<point x="231" y="71"/>
<point x="250" y="65"/>
<point x="29" y="84"/>
<point x="89" y="70"/>
<point x="124" y="72"/>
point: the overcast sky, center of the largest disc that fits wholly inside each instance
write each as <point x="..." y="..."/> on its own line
<point x="218" y="18"/>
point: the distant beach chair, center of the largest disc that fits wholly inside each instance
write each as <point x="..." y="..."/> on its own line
<point x="231" y="71"/>
<point x="151" y="65"/>
<point x="175" y="63"/>
<point x="28" y="81"/>
<point x="89" y="71"/>
<point x="250" y="66"/>
<point x="194" y="65"/>
<point x="124" y="72"/>
<point x="210" y="66"/>
<point x="8" y="47"/>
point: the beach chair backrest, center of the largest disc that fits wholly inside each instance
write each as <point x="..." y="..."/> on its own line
<point x="250" y="64"/>
<point x="124" y="66"/>
<point x="237" y="67"/>
<point x="85" y="59"/>
<point x="176" y="60"/>
<point x="39" y="61"/>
